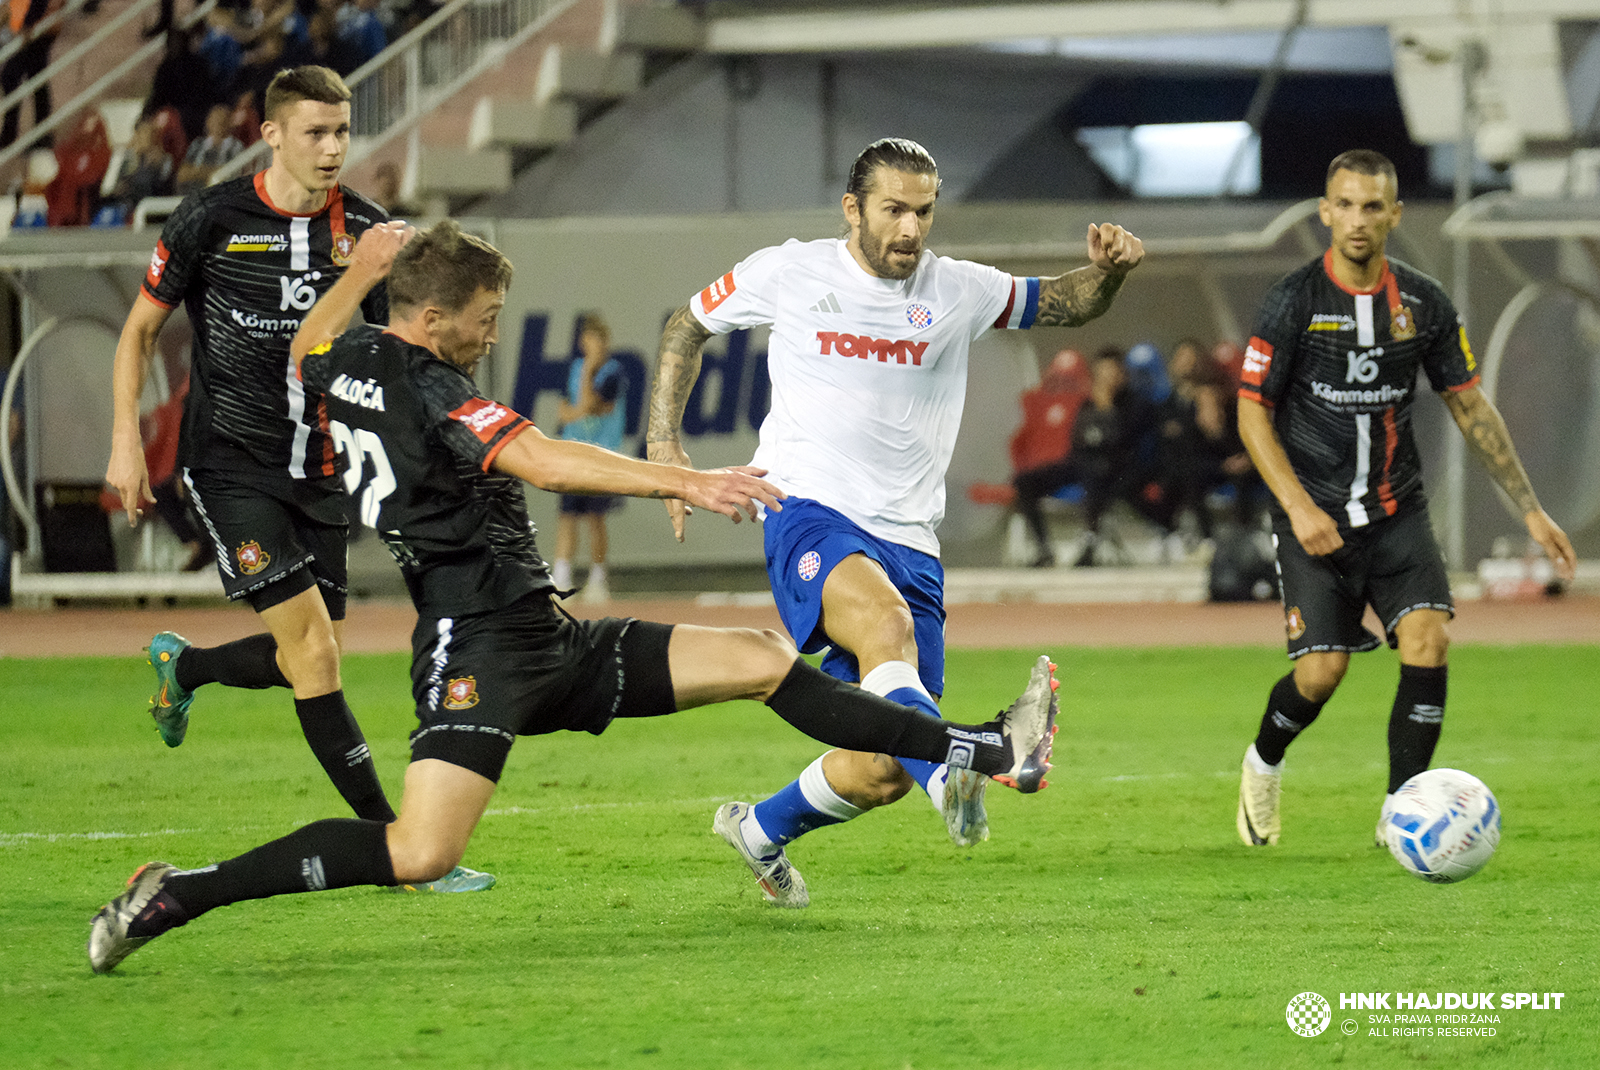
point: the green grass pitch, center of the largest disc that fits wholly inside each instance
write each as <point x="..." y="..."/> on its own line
<point x="1112" y="921"/>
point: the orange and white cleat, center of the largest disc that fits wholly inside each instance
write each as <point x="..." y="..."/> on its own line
<point x="1030" y="728"/>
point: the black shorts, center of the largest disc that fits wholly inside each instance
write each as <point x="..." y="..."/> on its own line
<point x="274" y="538"/>
<point x="587" y="504"/>
<point x="481" y="681"/>
<point x="1393" y="565"/>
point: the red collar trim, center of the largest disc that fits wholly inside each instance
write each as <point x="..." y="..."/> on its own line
<point x="1384" y="280"/>
<point x="334" y="203"/>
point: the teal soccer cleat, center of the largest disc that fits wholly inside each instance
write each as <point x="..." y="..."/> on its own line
<point x="170" y="704"/>
<point x="460" y="879"/>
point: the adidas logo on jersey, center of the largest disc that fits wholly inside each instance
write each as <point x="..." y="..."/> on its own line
<point x="368" y="394"/>
<point x="827" y="304"/>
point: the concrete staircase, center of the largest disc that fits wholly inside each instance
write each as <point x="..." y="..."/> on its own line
<point x="535" y="99"/>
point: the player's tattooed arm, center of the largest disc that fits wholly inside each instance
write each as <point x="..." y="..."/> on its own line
<point x="1487" y="437"/>
<point x="1079" y="296"/>
<point x="677" y="367"/>
<point x="1073" y="299"/>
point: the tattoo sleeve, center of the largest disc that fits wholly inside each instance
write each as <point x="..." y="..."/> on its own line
<point x="677" y="368"/>
<point x="1075" y="298"/>
<point x="1487" y="437"/>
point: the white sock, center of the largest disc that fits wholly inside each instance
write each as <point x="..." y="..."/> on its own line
<point x="597" y="575"/>
<point x="820" y="794"/>
<point x="1260" y="766"/>
<point x="891" y="680"/>
<point x="561" y="573"/>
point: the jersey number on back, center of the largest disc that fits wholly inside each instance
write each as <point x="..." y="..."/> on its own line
<point x="357" y="445"/>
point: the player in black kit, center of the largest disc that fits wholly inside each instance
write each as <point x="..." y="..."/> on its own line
<point x="247" y="258"/>
<point x="1325" y="411"/>
<point x="437" y="469"/>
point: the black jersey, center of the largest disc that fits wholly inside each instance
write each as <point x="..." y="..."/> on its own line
<point x="418" y="439"/>
<point x="247" y="272"/>
<point x="1339" y="370"/>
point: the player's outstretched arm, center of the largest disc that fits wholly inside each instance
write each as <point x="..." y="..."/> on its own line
<point x="369" y="265"/>
<point x="683" y="342"/>
<point x="1485" y="431"/>
<point x="569" y="467"/>
<point x="1077" y="297"/>
<point x="1316" y="531"/>
<point x="126" y="471"/>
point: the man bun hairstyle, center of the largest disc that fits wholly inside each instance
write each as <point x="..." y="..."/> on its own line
<point x="310" y="82"/>
<point x="895" y="153"/>
<point x="445" y="267"/>
<point x="1364" y="162"/>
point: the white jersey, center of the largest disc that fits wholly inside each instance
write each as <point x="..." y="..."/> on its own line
<point x="869" y="375"/>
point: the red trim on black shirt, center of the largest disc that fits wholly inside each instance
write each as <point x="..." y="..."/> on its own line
<point x="334" y="203"/>
<point x="1391" y="441"/>
<point x="1327" y="266"/>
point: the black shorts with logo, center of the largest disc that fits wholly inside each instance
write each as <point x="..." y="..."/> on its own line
<point x="1393" y="565"/>
<point x="274" y="537"/>
<point x="482" y="680"/>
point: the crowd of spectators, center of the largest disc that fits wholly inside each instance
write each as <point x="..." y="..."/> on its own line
<point x="1158" y="435"/>
<point x="205" y="100"/>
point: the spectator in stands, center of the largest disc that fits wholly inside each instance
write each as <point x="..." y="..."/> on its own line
<point x="31" y="59"/>
<point x="184" y="81"/>
<point x="386" y="181"/>
<point x="1103" y="459"/>
<point x="210" y="152"/>
<point x="361" y="30"/>
<point x="246" y="120"/>
<point x="222" y="50"/>
<point x="82" y="159"/>
<point x="1199" y="446"/>
<point x="147" y="169"/>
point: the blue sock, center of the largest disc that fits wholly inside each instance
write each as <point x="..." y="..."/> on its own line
<point x="806" y="803"/>
<point x="898" y="681"/>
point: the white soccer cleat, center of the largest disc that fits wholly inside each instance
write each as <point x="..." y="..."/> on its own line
<point x="109" y="942"/>
<point x="1380" y="838"/>
<point x="961" y="803"/>
<point x="780" y="882"/>
<point x="1258" y="805"/>
<point x="1029" y="726"/>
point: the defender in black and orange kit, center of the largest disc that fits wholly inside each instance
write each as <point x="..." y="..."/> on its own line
<point x="247" y="258"/>
<point x="1325" y="411"/>
<point x="438" y="469"/>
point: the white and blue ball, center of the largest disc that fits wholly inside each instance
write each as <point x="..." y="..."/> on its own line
<point x="1443" y="825"/>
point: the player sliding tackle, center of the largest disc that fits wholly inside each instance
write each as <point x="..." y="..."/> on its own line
<point x="437" y="469"/>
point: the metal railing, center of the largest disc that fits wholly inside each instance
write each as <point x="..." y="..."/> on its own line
<point x="91" y="94"/>
<point x="395" y="90"/>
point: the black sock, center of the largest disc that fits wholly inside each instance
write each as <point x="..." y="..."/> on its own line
<point x="843" y="715"/>
<point x="337" y="742"/>
<point x="335" y="853"/>
<point x="1288" y="714"/>
<point x="1415" y="721"/>
<point x="251" y="662"/>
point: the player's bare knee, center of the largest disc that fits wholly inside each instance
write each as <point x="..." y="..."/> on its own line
<point x="769" y="656"/>
<point x="1317" y="676"/>
<point x="1422" y="641"/>
<point x="419" y="859"/>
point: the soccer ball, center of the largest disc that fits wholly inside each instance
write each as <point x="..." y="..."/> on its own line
<point x="1442" y="825"/>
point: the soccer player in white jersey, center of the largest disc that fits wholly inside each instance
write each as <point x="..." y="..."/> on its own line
<point x="868" y="361"/>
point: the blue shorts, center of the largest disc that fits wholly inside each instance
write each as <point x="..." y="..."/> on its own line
<point x="806" y="540"/>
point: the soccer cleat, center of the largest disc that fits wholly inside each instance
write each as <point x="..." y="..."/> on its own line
<point x="780" y="882"/>
<point x="961" y="803"/>
<point x="1029" y="727"/>
<point x="109" y="942"/>
<point x="460" y="879"/>
<point x="1380" y="838"/>
<point x="170" y="704"/>
<point x="1258" y="805"/>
